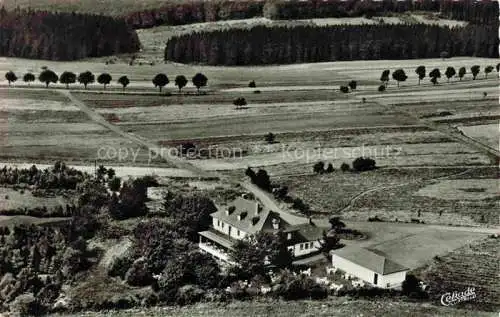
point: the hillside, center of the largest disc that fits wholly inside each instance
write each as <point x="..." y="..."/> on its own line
<point x="339" y="307"/>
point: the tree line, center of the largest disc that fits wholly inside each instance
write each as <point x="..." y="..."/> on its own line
<point x="178" y="13"/>
<point x="186" y="12"/>
<point x="301" y="44"/>
<point x="63" y="36"/>
<point x="480" y="12"/>
<point x="296" y="9"/>
<point x="48" y="76"/>
<point x="435" y="74"/>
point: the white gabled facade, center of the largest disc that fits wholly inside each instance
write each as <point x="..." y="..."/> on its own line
<point x="370" y="267"/>
<point x="247" y="217"/>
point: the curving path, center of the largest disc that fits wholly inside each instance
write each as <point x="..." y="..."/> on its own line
<point x="357" y="196"/>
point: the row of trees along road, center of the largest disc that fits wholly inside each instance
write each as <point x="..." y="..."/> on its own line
<point x="399" y="75"/>
<point x="159" y="81"/>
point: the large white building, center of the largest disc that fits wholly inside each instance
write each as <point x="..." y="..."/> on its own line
<point x="245" y="217"/>
<point x="370" y="266"/>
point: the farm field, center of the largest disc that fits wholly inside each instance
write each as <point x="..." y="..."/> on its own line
<point x="433" y="195"/>
<point x="42" y="126"/>
<point x="474" y="265"/>
<point x="485" y="133"/>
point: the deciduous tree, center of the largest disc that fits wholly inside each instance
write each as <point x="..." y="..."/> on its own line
<point x="181" y="81"/>
<point x="199" y="80"/>
<point x="67" y="78"/>
<point x="160" y="81"/>
<point x="47" y="76"/>
<point x="399" y="75"/>
<point x="124" y="81"/>
<point x="488" y="69"/>
<point x="420" y="71"/>
<point x="86" y="78"/>
<point x="461" y="72"/>
<point x="11" y="77"/>
<point x="434" y="75"/>
<point x="28" y="78"/>
<point x="104" y="79"/>
<point x="450" y="72"/>
<point x="474" y="71"/>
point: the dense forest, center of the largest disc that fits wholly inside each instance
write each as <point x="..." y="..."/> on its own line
<point x="281" y="45"/>
<point x="63" y="36"/>
<point x="175" y="13"/>
<point x="481" y="12"/>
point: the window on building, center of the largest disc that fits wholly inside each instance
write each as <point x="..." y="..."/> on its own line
<point x="302" y="246"/>
<point x="218" y="223"/>
<point x="222" y="226"/>
<point x="311" y="245"/>
<point x="238" y="233"/>
<point x="289" y="236"/>
<point x="306" y="246"/>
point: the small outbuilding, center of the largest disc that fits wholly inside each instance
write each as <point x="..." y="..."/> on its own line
<point x="370" y="266"/>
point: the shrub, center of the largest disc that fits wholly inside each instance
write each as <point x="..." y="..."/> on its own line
<point x="189" y="294"/>
<point x="270" y="138"/>
<point x="345" y="167"/>
<point x="252" y="84"/>
<point x="329" y="169"/>
<point x="381" y="88"/>
<point x="344" y="89"/>
<point x="256" y="91"/>
<point x="319" y="168"/>
<point x="120" y="267"/>
<point x="138" y="274"/>
<point x="375" y="219"/>
<point x="362" y="164"/>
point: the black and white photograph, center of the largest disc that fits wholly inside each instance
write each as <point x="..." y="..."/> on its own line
<point x="249" y="158"/>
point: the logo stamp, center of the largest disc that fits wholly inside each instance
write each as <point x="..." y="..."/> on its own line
<point x="453" y="298"/>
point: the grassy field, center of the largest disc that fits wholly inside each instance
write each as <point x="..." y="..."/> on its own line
<point x="15" y="199"/>
<point x="338" y="307"/>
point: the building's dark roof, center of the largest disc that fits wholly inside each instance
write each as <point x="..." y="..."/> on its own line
<point x="309" y="232"/>
<point x="248" y="209"/>
<point x="369" y="259"/>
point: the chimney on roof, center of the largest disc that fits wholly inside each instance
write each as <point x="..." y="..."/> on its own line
<point x="255" y="220"/>
<point x="242" y="216"/>
<point x="230" y="210"/>
<point x="276" y="223"/>
<point x="258" y="209"/>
